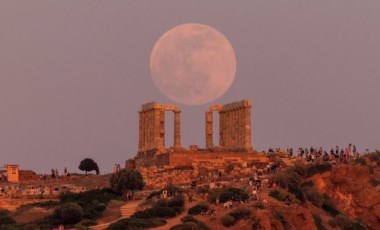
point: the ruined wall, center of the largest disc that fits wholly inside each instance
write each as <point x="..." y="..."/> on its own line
<point x="214" y="158"/>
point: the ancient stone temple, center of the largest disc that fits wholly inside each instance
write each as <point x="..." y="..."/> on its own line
<point x="161" y="164"/>
<point x="234" y="136"/>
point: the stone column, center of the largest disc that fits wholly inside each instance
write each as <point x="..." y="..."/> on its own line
<point x="247" y="131"/>
<point x="221" y="129"/>
<point x="162" y="128"/>
<point x="157" y="142"/>
<point x="140" y="131"/>
<point x="228" y="128"/>
<point x="209" y="130"/>
<point x="177" y="129"/>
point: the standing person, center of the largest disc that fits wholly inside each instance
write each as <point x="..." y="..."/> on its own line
<point x="349" y="150"/>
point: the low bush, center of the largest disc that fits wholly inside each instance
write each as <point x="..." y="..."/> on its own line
<point x="314" y="196"/>
<point x="234" y="194"/>
<point x="318" y="222"/>
<point x="176" y="201"/>
<point x="240" y="213"/>
<point x="214" y="194"/>
<point x="345" y="223"/>
<point x="360" y="161"/>
<point x="375" y="156"/>
<point x="157" y="211"/>
<point x="5" y="218"/>
<point x="371" y="170"/>
<point x="68" y="213"/>
<point x="282" y="218"/>
<point x="290" y="180"/>
<point x="228" y="220"/>
<point x="329" y="207"/>
<point x="93" y="202"/>
<point x="185" y="226"/>
<point x="136" y="223"/>
<point x="375" y="182"/>
<point x="281" y="195"/>
<point x="259" y="205"/>
<point x="198" y="209"/>
<point x="189" y="222"/>
<point x="309" y="170"/>
<point x="188" y="218"/>
<point x="89" y="222"/>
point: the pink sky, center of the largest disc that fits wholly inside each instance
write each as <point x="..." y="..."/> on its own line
<point x="73" y="75"/>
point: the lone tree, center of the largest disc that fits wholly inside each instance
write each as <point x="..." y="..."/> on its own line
<point x="127" y="180"/>
<point x="88" y="165"/>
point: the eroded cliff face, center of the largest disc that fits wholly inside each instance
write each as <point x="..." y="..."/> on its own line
<point x="351" y="190"/>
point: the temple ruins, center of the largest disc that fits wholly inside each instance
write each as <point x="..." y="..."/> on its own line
<point x="160" y="164"/>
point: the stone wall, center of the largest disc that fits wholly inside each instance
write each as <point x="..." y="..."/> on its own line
<point x="205" y="167"/>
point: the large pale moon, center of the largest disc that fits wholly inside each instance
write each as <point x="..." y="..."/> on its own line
<point x="193" y="64"/>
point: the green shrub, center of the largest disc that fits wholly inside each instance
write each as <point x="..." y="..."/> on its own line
<point x="228" y="220"/>
<point x="375" y="182"/>
<point x="185" y="226"/>
<point x="282" y="218"/>
<point x="89" y="222"/>
<point x="135" y="223"/>
<point x="314" y="196"/>
<point x="154" y="194"/>
<point x="259" y="205"/>
<point x="189" y="222"/>
<point x="127" y="180"/>
<point x="198" y="209"/>
<point x="360" y="161"/>
<point x="5" y="218"/>
<point x="176" y="201"/>
<point x="157" y="211"/>
<point x="240" y="213"/>
<point x="281" y="195"/>
<point x="93" y="202"/>
<point x="214" y="194"/>
<point x="290" y="180"/>
<point x="188" y="218"/>
<point x="345" y="223"/>
<point x="371" y="171"/>
<point x="233" y="194"/>
<point x="68" y="213"/>
<point x="318" y="222"/>
<point x="375" y="156"/>
<point x="329" y="207"/>
<point x="309" y="170"/>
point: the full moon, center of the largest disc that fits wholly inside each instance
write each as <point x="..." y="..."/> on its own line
<point x="193" y="64"/>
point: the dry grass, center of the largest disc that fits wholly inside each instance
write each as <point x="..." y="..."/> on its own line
<point x="31" y="214"/>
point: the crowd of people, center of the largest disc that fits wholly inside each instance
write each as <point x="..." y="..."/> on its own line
<point x="313" y="154"/>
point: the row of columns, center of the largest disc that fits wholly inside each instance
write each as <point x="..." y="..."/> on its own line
<point x="234" y="126"/>
<point x="152" y="127"/>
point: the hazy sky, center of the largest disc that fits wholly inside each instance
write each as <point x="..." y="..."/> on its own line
<point x="73" y="75"/>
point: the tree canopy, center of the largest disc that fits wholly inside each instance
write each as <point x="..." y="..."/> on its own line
<point x="88" y="165"/>
<point x="127" y="180"/>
